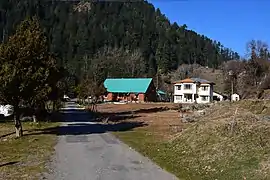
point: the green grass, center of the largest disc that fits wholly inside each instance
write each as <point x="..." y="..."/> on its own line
<point x="206" y="150"/>
<point x="28" y="153"/>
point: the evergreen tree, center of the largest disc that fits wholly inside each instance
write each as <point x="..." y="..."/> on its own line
<point x="78" y="32"/>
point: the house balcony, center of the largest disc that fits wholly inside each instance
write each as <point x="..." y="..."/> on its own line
<point x="188" y="91"/>
<point x="204" y="92"/>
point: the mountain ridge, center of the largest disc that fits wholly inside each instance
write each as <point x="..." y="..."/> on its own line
<point x="135" y="33"/>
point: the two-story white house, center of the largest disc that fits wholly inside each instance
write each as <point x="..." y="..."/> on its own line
<point x="193" y="90"/>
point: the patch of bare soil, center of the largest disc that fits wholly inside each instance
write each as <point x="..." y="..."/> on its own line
<point x="161" y="119"/>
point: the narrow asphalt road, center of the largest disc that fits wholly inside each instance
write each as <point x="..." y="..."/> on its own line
<point x="85" y="151"/>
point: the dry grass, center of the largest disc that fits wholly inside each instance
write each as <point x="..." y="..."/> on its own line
<point x="261" y="107"/>
<point x="24" y="158"/>
<point x="227" y="154"/>
<point x="209" y="148"/>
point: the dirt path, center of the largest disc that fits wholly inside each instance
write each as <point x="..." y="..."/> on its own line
<point x="86" y="151"/>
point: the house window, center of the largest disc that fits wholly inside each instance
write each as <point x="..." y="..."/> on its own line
<point x="187" y="86"/>
<point x="204" y="98"/>
<point x="178" y="98"/>
<point x="204" y="88"/>
<point x="178" y="87"/>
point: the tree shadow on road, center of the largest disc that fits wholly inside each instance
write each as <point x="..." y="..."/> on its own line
<point x="72" y="116"/>
<point x="85" y="128"/>
<point x="122" y="115"/>
<point x="87" y="116"/>
<point x="80" y="122"/>
<point x="137" y="111"/>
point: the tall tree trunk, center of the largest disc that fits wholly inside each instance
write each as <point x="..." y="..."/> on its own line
<point x="34" y="112"/>
<point x="18" y="124"/>
<point x="54" y="106"/>
<point x="34" y="118"/>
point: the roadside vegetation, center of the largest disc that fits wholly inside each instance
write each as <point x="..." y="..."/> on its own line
<point x="231" y="141"/>
<point x="32" y="83"/>
<point x="25" y="157"/>
<point x="29" y="75"/>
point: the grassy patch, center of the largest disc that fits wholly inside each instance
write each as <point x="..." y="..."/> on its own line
<point x="207" y="149"/>
<point x="25" y="158"/>
<point x="256" y="106"/>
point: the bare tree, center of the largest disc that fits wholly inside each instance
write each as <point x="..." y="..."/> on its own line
<point x="183" y="71"/>
<point x="251" y="75"/>
<point x="134" y="62"/>
<point x="235" y="66"/>
<point x="256" y="49"/>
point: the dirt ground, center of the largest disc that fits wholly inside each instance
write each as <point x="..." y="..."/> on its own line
<point x="227" y="141"/>
<point x="162" y="119"/>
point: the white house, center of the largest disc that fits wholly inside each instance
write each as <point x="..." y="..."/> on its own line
<point x="235" y="97"/>
<point x="193" y="90"/>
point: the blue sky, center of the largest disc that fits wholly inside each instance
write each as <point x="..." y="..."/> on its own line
<point x="232" y="22"/>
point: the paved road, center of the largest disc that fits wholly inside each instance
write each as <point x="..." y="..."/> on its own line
<point x="85" y="152"/>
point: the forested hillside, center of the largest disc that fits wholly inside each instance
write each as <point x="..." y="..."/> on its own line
<point x="97" y="40"/>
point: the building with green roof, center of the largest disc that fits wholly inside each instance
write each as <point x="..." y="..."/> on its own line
<point x="130" y="89"/>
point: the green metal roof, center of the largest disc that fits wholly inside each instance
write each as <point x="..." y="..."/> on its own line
<point x="127" y="85"/>
<point x="161" y="92"/>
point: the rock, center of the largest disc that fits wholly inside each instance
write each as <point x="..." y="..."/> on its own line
<point x="185" y="115"/>
<point x="188" y="119"/>
<point x="199" y="106"/>
<point x="266" y="118"/>
<point x="186" y="108"/>
<point x="182" y="114"/>
<point x="184" y="120"/>
<point x="200" y="112"/>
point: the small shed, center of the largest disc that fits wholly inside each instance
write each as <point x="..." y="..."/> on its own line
<point x="217" y="96"/>
<point x="161" y="95"/>
<point x="235" y="97"/>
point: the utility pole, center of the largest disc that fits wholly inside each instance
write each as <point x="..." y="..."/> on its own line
<point x="158" y="71"/>
<point x="231" y="77"/>
<point x="232" y="86"/>
<point x="157" y="81"/>
<point x="198" y="84"/>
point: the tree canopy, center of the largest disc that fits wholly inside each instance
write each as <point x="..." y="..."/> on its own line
<point x="78" y="32"/>
<point x="26" y="68"/>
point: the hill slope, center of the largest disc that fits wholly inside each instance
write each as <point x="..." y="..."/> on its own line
<point x="230" y="141"/>
<point x="140" y="38"/>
